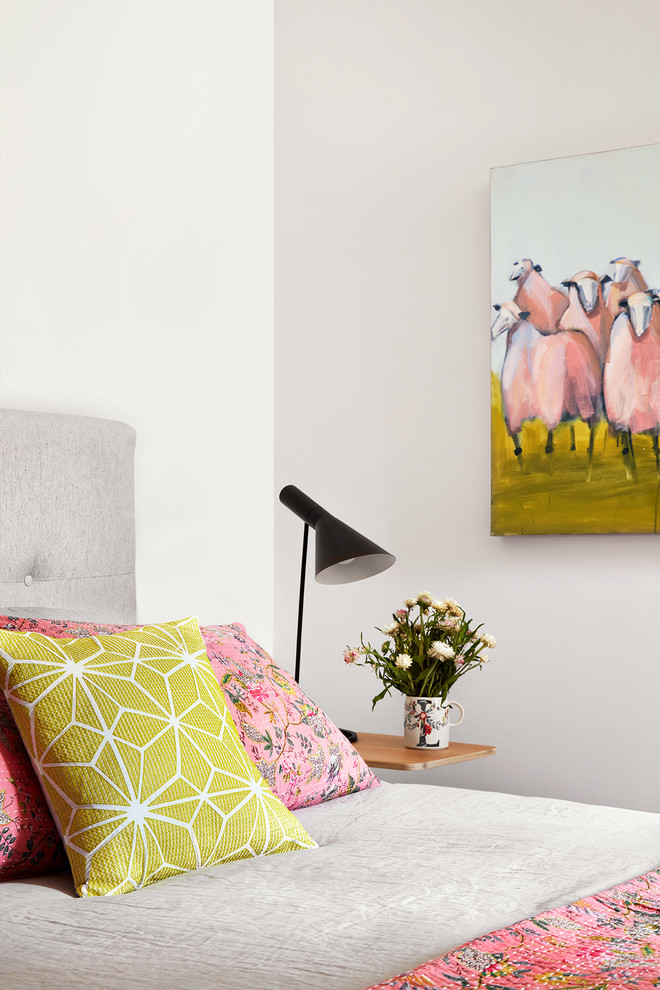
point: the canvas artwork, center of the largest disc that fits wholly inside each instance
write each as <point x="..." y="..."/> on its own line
<point x="575" y="345"/>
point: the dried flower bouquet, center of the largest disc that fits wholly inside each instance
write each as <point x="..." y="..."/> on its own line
<point x="430" y="644"/>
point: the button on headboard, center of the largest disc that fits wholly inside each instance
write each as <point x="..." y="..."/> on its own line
<point x="67" y="519"/>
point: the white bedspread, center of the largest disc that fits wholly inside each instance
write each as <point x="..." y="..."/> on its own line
<point x="402" y="874"/>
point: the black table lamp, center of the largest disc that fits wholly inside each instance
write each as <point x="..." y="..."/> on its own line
<point x="342" y="555"/>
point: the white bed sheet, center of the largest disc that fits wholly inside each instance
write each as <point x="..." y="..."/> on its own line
<point x="402" y="874"/>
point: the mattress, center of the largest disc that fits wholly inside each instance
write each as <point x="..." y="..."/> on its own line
<point x="402" y="874"/>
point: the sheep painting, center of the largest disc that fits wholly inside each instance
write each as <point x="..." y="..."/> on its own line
<point x="576" y="349"/>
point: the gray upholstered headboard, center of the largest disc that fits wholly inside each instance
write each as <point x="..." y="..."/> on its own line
<point x="67" y="520"/>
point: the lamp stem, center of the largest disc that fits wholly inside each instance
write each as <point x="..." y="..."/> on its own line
<point x="301" y="600"/>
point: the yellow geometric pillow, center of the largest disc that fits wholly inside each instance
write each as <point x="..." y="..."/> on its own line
<point x="138" y="757"/>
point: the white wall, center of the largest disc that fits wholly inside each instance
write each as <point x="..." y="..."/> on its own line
<point x="137" y="275"/>
<point x="137" y="269"/>
<point x="389" y="115"/>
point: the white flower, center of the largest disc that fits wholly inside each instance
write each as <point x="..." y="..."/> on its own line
<point x="438" y="606"/>
<point x="489" y="641"/>
<point x="390" y="628"/>
<point x="425" y="598"/>
<point x="452" y="606"/>
<point x="441" y="651"/>
<point x="403" y="660"/>
<point x="484" y="658"/>
<point x="409" y="602"/>
<point x="350" y="656"/>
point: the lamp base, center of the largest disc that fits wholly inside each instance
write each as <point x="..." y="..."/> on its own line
<point x="350" y="734"/>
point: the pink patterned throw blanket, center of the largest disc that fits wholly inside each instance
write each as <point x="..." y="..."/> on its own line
<point x="610" y="941"/>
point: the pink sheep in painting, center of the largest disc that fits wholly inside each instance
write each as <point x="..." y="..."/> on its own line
<point x="518" y="395"/>
<point x="568" y="380"/>
<point x="622" y="279"/>
<point x="534" y="295"/>
<point x="567" y="376"/>
<point x="587" y="311"/>
<point x="552" y="377"/>
<point x="632" y="374"/>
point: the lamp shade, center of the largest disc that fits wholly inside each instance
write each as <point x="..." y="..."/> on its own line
<point x="342" y="554"/>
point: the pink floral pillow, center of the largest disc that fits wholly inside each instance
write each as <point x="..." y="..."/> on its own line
<point x="298" y="750"/>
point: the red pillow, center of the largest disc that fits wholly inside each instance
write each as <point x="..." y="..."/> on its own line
<point x="29" y="842"/>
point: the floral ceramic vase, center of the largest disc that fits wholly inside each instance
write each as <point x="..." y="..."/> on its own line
<point x="426" y="722"/>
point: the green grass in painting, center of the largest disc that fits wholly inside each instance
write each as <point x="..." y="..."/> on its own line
<point x="549" y="493"/>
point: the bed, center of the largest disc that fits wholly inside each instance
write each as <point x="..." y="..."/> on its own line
<point x="400" y="874"/>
